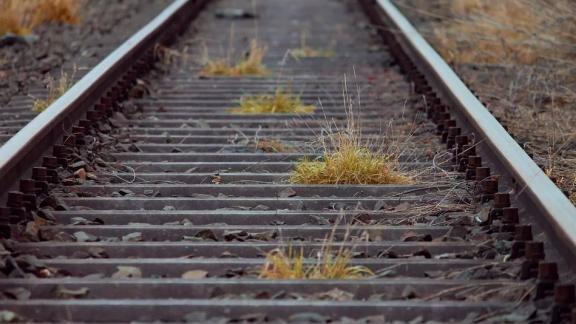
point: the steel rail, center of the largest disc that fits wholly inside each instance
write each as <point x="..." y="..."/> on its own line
<point x="26" y="146"/>
<point x="532" y="186"/>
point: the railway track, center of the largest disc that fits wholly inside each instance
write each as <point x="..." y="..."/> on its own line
<point x="166" y="207"/>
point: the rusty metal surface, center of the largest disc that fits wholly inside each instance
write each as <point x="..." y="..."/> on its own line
<point x="49" y="125"/>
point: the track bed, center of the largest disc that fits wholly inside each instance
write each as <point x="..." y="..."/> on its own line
<point x="178" y="203"/>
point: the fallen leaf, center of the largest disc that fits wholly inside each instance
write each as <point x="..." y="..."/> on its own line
<point x="483" y="215"/>
<point x="83" y="221"/>
<point x="206" y="235"/>
<point x="227" y="255"/>
<point x="235" y="235"/>
<point x="32" y="229"/>
<point x="233" y="13"/>
<point x="98" y="253"/>
<point x="409" y="293"/>
<point x="264" y="236"/>
<point x="62" y="292"/>
<point x="334" y="294"/>
<point x="85" y="237"/>
<point x="288" y="192"/>
<point x="252" y="318"/>
<point x="18" y="293"/>
<point x="216" y="179"/>
<point x="127" y="272"/>
<point x="402" y="207"/>
<point x="261" y="207"/>
<point x="380" y="204"/>
<point x="81" y="175"/>
<point x="308" y="318"/>
<point x="133" y="237"/>
<point x="423" y="253"/>
<point x="415" y="237"/>
<point x="195" y="274"/>
<point x="10" y="317"/>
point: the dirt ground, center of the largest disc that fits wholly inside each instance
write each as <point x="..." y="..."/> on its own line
<point x="104" y="25"/>
<point x="520" y="64"/>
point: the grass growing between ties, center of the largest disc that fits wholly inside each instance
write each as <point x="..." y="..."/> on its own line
<point x="20" y="17"/>
<point x="281" y="102"/>
<point x="349" y="163"/>
<point x="332" y="262"/>
<point x="273" y="146"/>
<point x="55" y="90"/>
<point x="348" y="159"/>
<point x="290" y="264"/>
<point x="250" y="65"/>
<point x="304" y="51"/>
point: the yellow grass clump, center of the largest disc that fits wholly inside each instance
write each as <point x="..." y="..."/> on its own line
<point x="55" y="90"/>
<point x="347" y="161"/>
<point x="280" y="102"/>
<point x="281" y="264"/>
<point x="349" y="164"/>
<point x="20" y="17"/>
<point x="249" y="65"/>
<point x="331" y="263"/>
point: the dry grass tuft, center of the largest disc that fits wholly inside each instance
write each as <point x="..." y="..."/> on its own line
<point x="348" y="159"/>
<point x="304" y="51"/>
<point x="280" y="102"/>
<point x="168" y="57"/>
<point x="20" y="17"/>
<point x="251" y="64"/>
<point x="512" y="31"/>
<point x="55" y="90"/>
<point x="349" y="163"/>
<point x="290" y="264"/>
<point x="331" y="263"/>
<point x="273" y="146"/>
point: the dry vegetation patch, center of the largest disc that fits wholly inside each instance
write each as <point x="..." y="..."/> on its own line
<point x="349" y="158"/>
<point x="281" y="102"/>
<point x="291" y="264"/>
<point x="520" y="57"/>
<point x="347" y="161"/>
<point x="250" y="65"/>
<point x="20" y="17"/>
<point x="506" y="32"/>
<point x="56" y="88"/>
<point x="333" y="261"/>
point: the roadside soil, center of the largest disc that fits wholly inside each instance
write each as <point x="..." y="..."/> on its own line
<point x="104" y="25"/>
<point x="531" y="94"/>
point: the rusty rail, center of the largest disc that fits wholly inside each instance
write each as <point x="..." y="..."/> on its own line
<point x="30" y="143"/>
<point x="537" y="194"/>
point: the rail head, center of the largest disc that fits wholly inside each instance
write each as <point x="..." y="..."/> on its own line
<point x="25" y="147"/>
<point x="530" y="182"/>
